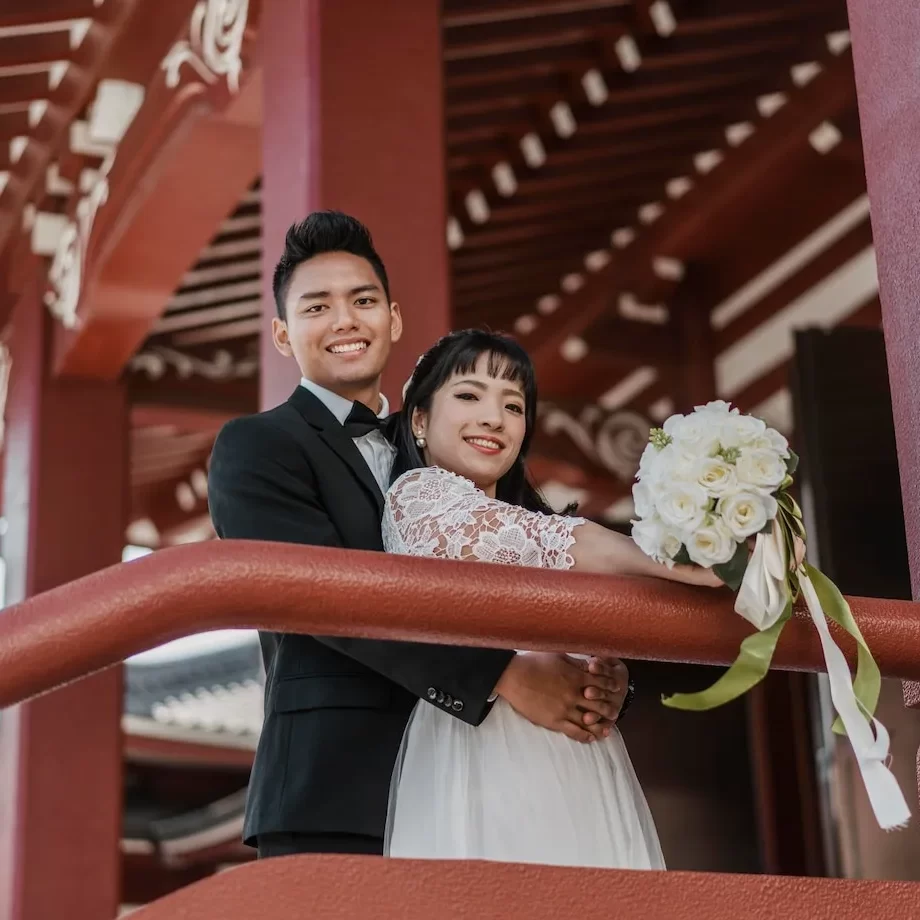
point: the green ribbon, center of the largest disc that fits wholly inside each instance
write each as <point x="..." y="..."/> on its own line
<point x="867" y="684"/>
<point x="748" y="669"/>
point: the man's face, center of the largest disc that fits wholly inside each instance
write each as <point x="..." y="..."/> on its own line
<point x="339" y="325"/>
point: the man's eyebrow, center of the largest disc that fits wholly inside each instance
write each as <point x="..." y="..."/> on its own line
<point x="318" y="295"/>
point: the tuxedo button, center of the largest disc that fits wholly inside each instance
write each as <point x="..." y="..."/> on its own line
<point x="448" y="701"/>
<point x="432" y="693"/>
<point x="440" y="696"/>
<point x="457" y="706"/>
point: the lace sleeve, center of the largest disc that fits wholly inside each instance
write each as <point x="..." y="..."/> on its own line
<point x="432" y="512"/>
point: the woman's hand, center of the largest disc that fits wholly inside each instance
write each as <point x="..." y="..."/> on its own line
<point x="695" y="575"/>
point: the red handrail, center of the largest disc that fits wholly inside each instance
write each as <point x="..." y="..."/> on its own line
<point x="99" y="620"/>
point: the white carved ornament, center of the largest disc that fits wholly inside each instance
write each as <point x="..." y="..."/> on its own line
<point x="214" y="44"/>
<point x="69" y="262"/>
<point x="113" y="110"/>
<point x="223" y="366"/>
<point x="614" y="441"/>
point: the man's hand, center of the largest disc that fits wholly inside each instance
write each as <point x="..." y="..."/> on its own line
<point x="611" y="669"/>
<point x="576" y="697"/>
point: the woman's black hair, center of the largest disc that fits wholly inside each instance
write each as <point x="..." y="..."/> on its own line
<point x="457" y="353"/>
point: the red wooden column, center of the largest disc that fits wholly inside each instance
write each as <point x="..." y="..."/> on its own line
<point x="353" y="119"/>
<point x="886" y="53"/>
<point x="64" y="497"/>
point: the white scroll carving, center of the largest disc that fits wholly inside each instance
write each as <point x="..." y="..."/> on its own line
<point x="213" y="48"/>
<point x="69" y="262"/>
<point x="615" y="441"/>
<point x="154" y="362"/>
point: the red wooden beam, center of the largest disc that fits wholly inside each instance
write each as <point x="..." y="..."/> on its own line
<point x="187" y="158"/>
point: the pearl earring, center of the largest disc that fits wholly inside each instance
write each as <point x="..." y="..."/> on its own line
<point x="419" y="440"/>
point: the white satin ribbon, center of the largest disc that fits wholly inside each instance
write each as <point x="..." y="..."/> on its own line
<point x="764" y="591"/>
<point x="885" y="795"/>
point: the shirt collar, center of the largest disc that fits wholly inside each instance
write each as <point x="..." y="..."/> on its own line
<point x="339" y="406"/>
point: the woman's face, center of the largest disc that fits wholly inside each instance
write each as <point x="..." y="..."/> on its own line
<point x="475" y="426"/>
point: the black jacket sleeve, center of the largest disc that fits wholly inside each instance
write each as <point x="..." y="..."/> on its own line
<point x="261" y="487"/>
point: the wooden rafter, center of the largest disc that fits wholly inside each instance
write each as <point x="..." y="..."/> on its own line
<point x="681" y="231"/>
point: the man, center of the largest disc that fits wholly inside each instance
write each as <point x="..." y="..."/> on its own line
<point x="313" y="470"/>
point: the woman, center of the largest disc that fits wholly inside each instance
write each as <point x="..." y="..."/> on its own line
<point x="507" y="789"/>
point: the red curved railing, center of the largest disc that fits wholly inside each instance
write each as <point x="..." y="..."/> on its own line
<point x="99" y="620"/>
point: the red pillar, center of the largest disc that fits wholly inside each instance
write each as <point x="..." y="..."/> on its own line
<point x="64" y="496"/>
<point x="886" y="51"/>
<point x="353" y="119"/>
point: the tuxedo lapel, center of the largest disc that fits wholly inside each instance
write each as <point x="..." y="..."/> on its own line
<point x="333" y="435"/>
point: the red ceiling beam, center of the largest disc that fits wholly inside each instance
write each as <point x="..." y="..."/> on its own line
<point x="31" y="12"/>
<point x="187" y="158"/>
<point x="681" y="231"/>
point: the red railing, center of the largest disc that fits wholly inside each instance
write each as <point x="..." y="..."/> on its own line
<point x="99" y="620"/>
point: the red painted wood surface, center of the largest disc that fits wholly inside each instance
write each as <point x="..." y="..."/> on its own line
<point x="182" y="590"/>
<point x="353" y="120"/>
<point x="349" y="888"/>
<point x="886" y="48"/>
<point x="65" y="490"/>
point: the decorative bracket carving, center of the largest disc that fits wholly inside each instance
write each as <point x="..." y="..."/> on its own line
<point x="69" y="263"/>
<point x="614" y="441"/>
<point x="213" y="48"/>
<point x="155" y="361"/>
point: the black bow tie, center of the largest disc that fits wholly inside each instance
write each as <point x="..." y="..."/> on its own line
<point x="361" y="421"/>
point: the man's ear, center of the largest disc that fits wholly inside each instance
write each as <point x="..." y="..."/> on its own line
<point x="396" y="323"/>
<point x="280" y="337"/>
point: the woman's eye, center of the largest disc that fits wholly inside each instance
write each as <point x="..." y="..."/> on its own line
<point x="514" y="407"/>
<point x="466" y="396"/>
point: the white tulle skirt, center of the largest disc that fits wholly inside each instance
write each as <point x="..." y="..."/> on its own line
<point x="510" y="791"/>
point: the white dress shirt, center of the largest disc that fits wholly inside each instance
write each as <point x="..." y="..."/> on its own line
<point x="377" y="451"/>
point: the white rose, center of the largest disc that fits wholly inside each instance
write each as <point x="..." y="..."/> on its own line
<point x="761" y="468"/>
<point x="648" y="535"/>
<point x="647" y="461"/>
<point x="716" y="476"/>
<point x="771" y="439"/>
<point x="697" y="432"/>
<point x="741" y="430"/>
<point x="747" y="513"/>
<point x="682" y="505"/>
<point x="717" y="407"/>
<point x="655" y="540"/>
<point x="670" y="546"/>
<point x="643" y="499"/>
<point x="711" y="545"/>
<point x="674" y="464"/>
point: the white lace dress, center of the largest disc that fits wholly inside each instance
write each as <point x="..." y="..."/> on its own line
<point x="505" y="790"/>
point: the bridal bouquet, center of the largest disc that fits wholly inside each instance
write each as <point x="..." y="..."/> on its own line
<point x="708" y="484"/>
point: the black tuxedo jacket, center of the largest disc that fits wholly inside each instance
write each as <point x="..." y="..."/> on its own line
<point x="335" y="709"/>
